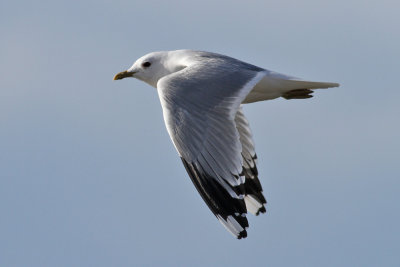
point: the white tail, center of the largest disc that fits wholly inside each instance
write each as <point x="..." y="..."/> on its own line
<point x="275" y="85"/>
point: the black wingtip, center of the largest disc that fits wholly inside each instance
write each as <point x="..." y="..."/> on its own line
<point x="242" y="234"/>
<point x="261" y="210"/>
<point x="229" y="210"/>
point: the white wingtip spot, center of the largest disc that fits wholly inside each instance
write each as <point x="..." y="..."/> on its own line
<point x="252" y="204"/>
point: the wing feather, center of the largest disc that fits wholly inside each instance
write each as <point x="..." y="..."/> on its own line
<point x="255" y="200"/>
<point x="200" y="119"/>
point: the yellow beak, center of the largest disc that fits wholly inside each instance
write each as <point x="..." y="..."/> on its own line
<point x="123" y="74"/>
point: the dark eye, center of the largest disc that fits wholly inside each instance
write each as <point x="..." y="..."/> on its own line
<point x="146" y="64"/>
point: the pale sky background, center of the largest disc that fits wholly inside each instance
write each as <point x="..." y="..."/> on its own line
<point x="89" y="176"/>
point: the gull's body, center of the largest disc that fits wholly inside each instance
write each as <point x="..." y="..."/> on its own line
<point x="201" y="95"/>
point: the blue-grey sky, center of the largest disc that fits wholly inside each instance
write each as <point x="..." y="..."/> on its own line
<point x="89" y="176"/>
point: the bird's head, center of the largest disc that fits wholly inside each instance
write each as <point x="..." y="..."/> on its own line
<point x="152" y="67"/>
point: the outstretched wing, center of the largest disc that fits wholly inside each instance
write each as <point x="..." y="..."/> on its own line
<point x="199" y="105"/>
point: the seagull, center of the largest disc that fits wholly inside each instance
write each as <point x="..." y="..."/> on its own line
<point x="201" y="95"/>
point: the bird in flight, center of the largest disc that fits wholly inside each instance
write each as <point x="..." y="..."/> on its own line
<point x="201" y="95"/>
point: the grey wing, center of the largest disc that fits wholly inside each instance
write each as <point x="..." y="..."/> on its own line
<point x="254" y="197"/>
<point x="199" y="106"/>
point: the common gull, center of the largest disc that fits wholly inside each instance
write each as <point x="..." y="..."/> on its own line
<point x="201" y="95"/>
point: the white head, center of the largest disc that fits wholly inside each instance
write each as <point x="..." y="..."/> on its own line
<point x="152" y="67"/>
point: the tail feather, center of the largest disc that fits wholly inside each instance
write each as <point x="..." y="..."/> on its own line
<point x="275" y="85"/>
